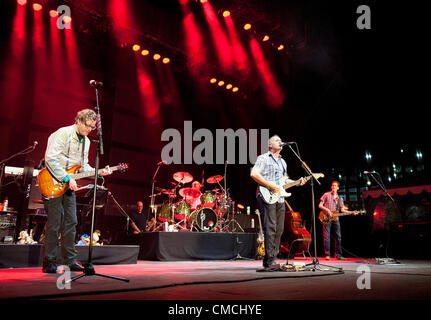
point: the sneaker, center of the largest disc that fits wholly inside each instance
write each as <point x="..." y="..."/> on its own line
<point x="49" y="268"/>
<point x="75" y="266"/>
<point x="328" y="258"/>
<point x="340" y="258"/>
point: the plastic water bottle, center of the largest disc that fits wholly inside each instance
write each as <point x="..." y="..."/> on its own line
<point x="5" y="204"/>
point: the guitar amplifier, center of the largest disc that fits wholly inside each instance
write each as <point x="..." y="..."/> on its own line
<point x="7" y="226"/>
<point x="249" y="222"/>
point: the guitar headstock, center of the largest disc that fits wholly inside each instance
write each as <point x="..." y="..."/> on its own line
<point x="123" y="166"/>
<point x="318" y="175"/>
<point x="257" y="211"/>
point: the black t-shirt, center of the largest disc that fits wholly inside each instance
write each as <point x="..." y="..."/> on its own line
<point x="140" y="219"/>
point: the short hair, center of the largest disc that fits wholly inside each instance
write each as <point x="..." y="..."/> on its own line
<point x="84" y="115"/>
<point x="336" y="181"/>
<point x="270" y="139"/>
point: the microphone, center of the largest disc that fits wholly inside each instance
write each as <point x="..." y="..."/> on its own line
<point x="282" y="144"/>
<point x="35" y="144"/>
<point x="161" y="163"/>
<point x="368" y="172"/>
<point x="96" y="84"/>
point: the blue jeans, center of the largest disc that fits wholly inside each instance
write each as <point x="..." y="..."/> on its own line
<point x="327" y="238"/>
<point x="273" y="216"/>
<point x="62" y="219"/>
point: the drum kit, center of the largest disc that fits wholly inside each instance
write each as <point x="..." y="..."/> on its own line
<point x="190" y="209"/>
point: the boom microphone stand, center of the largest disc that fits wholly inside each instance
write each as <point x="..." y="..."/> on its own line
<point x="315" y="264"/>
<point x="88" y="267"/>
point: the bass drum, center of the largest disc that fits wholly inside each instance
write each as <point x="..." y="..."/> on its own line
<point x="205" y="219"/>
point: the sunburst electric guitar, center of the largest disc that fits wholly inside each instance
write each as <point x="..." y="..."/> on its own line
<point x="260" y="239"/>
<point x="52" y="188"/>
<point x="324" y="217"/>
<point x="271" y="197"/>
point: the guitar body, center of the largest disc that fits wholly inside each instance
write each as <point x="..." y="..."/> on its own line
<point x="51" y="187"/>
<point x="269" y="196"/>
<point x="323" y="216"/>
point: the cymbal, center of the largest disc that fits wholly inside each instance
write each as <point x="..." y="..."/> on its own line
<point x="215" y="179"/>
<point x="183" y="177"/>
<point x="193" y="193"/>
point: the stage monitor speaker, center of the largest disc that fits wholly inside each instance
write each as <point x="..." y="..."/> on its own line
<point x="249" y="222"/>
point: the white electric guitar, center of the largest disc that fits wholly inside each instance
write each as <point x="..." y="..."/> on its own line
<point x="270" y="197"/>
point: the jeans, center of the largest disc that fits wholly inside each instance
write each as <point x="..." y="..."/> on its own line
<point x="62" y="219"/>
<point x="273" y="216"/>
<point x="327" y="238"/>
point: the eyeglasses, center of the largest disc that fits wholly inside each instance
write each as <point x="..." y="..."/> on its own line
<point x="89" y="126"/>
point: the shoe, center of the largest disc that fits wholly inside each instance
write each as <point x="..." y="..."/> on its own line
<point x="341" y="258"/>
<point x="75" y="266"/>
<point x="328" y="258"/>
<point x="49" y="268"/>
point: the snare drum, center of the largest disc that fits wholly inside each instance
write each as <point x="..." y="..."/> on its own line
<point x="205" y="219"/>
<point x="207" y="200"/>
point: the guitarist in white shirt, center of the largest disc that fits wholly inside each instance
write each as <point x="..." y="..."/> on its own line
<point x="269" y="168"/>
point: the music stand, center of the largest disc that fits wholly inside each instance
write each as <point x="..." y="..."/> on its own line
<point x="315" y="265"/>
<point x="88" y="267"/>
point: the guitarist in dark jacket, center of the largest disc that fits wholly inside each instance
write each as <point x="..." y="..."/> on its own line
<point x="331" y="201"/>
<point x="68" y="146"/>
<point x="270" y="167"/>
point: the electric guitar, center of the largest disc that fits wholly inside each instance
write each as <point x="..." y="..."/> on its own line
<point x="270" y="197"/>
<point x="260" y="239"/>
<point x="324" y="218"/>
<point x="50" y="187"/>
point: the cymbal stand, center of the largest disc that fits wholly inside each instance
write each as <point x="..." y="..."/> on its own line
<point x="152" y="208"/>
<point x="123" y="212"/>
<point x="315" y="265"/>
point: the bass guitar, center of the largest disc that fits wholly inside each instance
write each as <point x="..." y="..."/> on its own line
<point x="270" y="197"/>
<point x="260" y="239"/>
<point x="324" y="217"/>
<point x="50" y="187"/>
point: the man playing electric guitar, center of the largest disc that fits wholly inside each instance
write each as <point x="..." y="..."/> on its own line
<point x="270" y="167"/>
<point x="330" y="202"/>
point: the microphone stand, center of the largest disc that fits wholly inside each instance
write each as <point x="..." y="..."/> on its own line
<point x="382" y="186"/>
<point x="153" y="197"/>
<point x="315" y="264"/>
<point x="88" y="267"/>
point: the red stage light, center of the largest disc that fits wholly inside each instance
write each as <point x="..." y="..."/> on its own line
<point x="280" y="47"/>
<point x="226" y="13"/>
<point x="228" y="86"/>
<point x="37" y="7"/>
<point x="240" y="206"/>
<point x="67" y="19"/>
<point x="247" y="26"/>
<point x="235" y="89"/>
<point x="156" y="56"/>
<point x="213" y="80"/>
<point x="22" y="2"/>
<point x="136" y="47"/>
<point x="166" y="60"/>
<point x="145" y="52"/>
<point x="265" y="38"/>
<point x="203" y="1"/>
<point x="220" y="83"/>
<point x="53" y="13"/>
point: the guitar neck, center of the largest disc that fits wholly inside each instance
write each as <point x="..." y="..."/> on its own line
<point x="340" y="214"/>
<point x="87" y="174"/>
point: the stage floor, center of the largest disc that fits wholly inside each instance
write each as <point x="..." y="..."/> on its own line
<point x="228" y="280"/>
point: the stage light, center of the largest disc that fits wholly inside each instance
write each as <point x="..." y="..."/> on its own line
<point x="37" y="7"/>
<point x="220" y="83"/>
<point x="226" y="13"/>
<point x="166" y="60"/>
<point x="265" y="38"/>
<point x="203" y="1"/>
<point x="229" y="86"/>
<point x="240" y="206"/>
<point x="235" y="89"/>
<point x="247" y="26"/>
<point x="53" y="13"/>
<point x="213" y="80"/>
<point x="136" y="47"/>
<point x="156" y="56"/>
<point x="280" y="47"/>
<point x="22" y="2"/>
<point x="145" y="52"/>
<point x="67" y="19"/>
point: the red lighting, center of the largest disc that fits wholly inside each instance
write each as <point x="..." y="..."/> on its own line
<point x="53" y="13"/>
<point x="67" y="19"/>
<point x="247" y="26"/>
<point x="220" y="83"/>
<point x="235" y="89"/>
<point x="156" y="56"/>
<point x="22" y="2"/>
<point x="226" y="13"/>
<point x="145" y="52"/>
<point x="280" y="47"/>
<point x="203" y="1"/>
<point x="375" y="213"/>
<point x="265" y="38"/>
<point x="37" y="7"/>
<point x="240" y="206"/>
<point x="166" y="60"/>
<point x="213" y="80"/>
<point x="229" y="86"/>
<point x="136" y="47"/>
